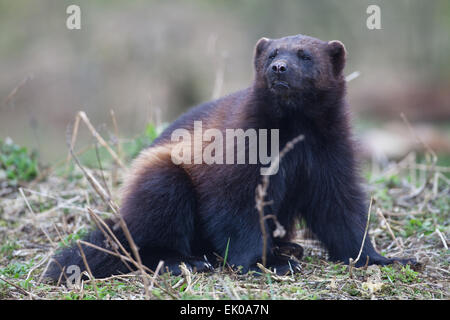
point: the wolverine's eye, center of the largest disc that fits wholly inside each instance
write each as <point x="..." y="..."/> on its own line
<point x="302" y="55"/>
<point x="273" y="54"/>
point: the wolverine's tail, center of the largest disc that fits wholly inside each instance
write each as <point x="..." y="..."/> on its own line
<point x="100" y="263"/>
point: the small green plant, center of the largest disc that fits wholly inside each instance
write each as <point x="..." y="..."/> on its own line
<point x="71" y="238"/>
<point x="352" y="289"/>
<point x="226" y="253"/>
<point x="405" y="274"/>
<point x="16" y="163"/>
<point x="133" y="148"/>
<point x="16" y="270"/>
<point x="71" y="296"/>
<point x="7" y="249"/>
<point x="339" y="269"/>
<point x="414" y="226"/>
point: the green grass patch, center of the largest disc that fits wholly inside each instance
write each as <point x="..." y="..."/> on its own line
<point x="70" y="239"/>
<point x="404" y="274"/>
<point x="17" y="164"/>
<point x="8" y="247"/>
<point x="16" y="270"/>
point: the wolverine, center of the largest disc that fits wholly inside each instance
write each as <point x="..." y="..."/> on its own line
<point x="194" y="212"/>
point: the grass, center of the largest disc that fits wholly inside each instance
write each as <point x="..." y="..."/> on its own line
<point x="16" y="163"/>
<point x="404" y="275"/>
<point x="403" y="223"/>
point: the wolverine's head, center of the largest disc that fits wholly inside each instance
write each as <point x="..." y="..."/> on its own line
<point x="293" y="64"/>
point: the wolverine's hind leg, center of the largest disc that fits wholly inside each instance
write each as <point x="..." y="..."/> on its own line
<point x="160" y="211"/>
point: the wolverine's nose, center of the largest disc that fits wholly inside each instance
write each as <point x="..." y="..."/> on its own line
<point x="279" y="66"/>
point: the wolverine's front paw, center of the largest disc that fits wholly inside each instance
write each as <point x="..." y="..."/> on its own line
<point x="199" y="265"/>
<point x="288" y="267"/>
<point x="385" y="261"/>
<point x="193" y="264"/>
<point x="281" y="267"/>
<point x="288" y="249"/>
<point x="415" y="265"/>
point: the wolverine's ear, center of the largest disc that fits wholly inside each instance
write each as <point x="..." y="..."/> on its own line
<point x="337" y="52"/>
<point x="261" y="45"/>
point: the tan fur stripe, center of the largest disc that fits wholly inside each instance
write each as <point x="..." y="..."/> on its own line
<point x="148" y="158"/>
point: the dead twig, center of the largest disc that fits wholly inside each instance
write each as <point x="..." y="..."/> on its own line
<point x="444" y="241"/>
<point x="82" y="116"/>
<point x="13" y="93"/>
<point x="83" y="256"/>
<point x="44" y="230"/>
<point x="115" y="209"/>
<point x="388" y="226"/>
<point x="430" y="151"/>
<point x="261" y="192"/>
<point x="352" y="262"/>
<point x="22" y="290"/>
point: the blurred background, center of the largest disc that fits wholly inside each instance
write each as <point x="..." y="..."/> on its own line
<point x="152" y="60"/>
